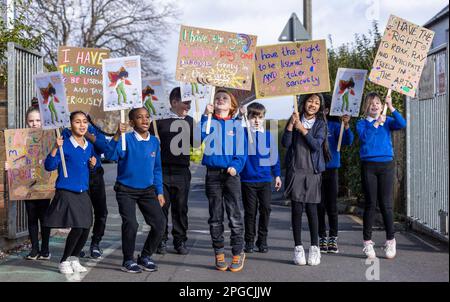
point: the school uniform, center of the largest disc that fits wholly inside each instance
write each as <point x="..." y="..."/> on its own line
<point x="71" y="206"/>
<point x="36" y="210"/>
<point x="261" y="166"/>
<point x="97" y="191"/>
<point x="176" y="173"/>
<point x="225" y="147"/>
<point x="330" y="180"/>
<point x="139" y="181"/>
<point x="304" y="164"/>
<point x="377" y="170"/>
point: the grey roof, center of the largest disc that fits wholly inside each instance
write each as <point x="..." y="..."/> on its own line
<point x="443" y="13"/>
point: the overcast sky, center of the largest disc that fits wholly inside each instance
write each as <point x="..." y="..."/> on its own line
<point x="266" y="18"/>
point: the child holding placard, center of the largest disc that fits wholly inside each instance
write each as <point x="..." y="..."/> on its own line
<point x="36" y="209"/>
<point x="330" y="180"/>
<point x="71" y="206"/>
<point x="305" y="137"/>
<point x="224" y="158"/>
<point x="139" y="182"/>
<point x="261" y="166"/>
<point x="378" y="170"/>
<point x="97" y="191"/>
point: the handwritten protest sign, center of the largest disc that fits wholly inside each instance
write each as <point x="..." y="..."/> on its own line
<point x="82" y="71"/>
<point x="291" y="69"/>
<point x="401" y="56"/>
<point x="155" y="98"/>
<point x="216" y="58"/>
<point x="26" y="150"/>
<point x="122" y="84"/>
<point x="348" y="91"/>
<point x="51" y="95"/>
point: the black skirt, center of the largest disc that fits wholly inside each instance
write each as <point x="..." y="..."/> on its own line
<point x="69" y="210"/>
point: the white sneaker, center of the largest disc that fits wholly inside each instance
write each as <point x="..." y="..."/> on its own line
<point x="77" y="267"/>
<point x="368" y="249"/>
<point x="314" y="255"/>
<point x="65" y="267"/>
<point x="390" y="248"/>
<point x="299" y="255"/>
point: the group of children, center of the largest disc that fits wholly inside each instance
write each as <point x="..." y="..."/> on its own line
<point x="153" y="177"/>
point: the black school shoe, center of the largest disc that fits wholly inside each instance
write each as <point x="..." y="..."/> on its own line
<point x="162" y="248"/>
<point x="249" y="247"/>
<point x="181" y="249"/>
<point x="262" y="246"/>
<point x="33" y="255"/>
<point x="96" y="251"/>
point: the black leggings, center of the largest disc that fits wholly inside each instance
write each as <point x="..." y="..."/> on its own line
<point x="329" y="203"/>
<point x="377" y="181"/>
<point x="75" y="242"/>
<point x="311" y="212"/>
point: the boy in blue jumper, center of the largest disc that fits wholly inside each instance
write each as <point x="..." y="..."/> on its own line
<point x="261" y="165"/>
<point x="97" y="191"/>
<point x="224" y="158"/>
<point x="330" y="180"/>
<point x="139" y="182"/>
<point x="378" y="169"/>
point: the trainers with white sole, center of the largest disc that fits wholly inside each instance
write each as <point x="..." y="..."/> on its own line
<point x="314" y="255"/>
<point x="77" y="267"/>
<point x="390" y="249"/>
<point x="369" y="250"/>
<point x="299" y="255"/>
<point x="65" y="267"/>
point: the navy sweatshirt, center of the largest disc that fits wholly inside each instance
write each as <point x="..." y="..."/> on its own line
<point x="333" y="137"/>
<point x="77" y="164"/>
<point x="139" y="166"/>
<point x="100" y="145"/>
<point x="226" y="144"/>
<point x="263" y="161"/>
<point x="375" y="143"/>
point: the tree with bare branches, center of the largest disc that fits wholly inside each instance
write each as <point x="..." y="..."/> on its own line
<point x="126" y="27"/>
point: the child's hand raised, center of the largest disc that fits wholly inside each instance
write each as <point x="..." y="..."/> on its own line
<point x="231" y="171"/>
<point x="161" y="200"/>
<point x="92" y="162"/>
<point x="209" y="109"/>
<point x="346" y="120"/>
<point x="242" y="110"/>
<point x="278" y="183"/>
<point x="59" y="142"/>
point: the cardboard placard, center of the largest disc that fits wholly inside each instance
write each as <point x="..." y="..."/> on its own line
<point x="51" y="95"/>
<point x="348" y="92"/>
<point x="82" y="72"/>
<point x="26" y="150"/>
<point x="215" y="57"/>
<point x="291" y="69"/>
<point x="401" y="56"/>
<point x="155" y="99"/>
<point x="122" y="84"/>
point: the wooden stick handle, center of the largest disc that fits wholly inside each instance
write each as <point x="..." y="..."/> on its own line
<point x="295" y="104"/>
<point x="155" y="129"/>
<point x="249" y="132"/>
<point x="341" y="134"/>
<point x="197" y="109"/>
<point x="61" y="152"/>
<point x="122" y="120"/>
<point x="211" y="101"/>
<point x="385" y="106"/>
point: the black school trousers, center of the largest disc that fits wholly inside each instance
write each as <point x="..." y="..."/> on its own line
<point x="177" y="181"/>
<point x="256" y="196"/>
<point x="146" y="200"/>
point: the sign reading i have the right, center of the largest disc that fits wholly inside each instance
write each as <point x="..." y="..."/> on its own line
<point x="401" y="56"/>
